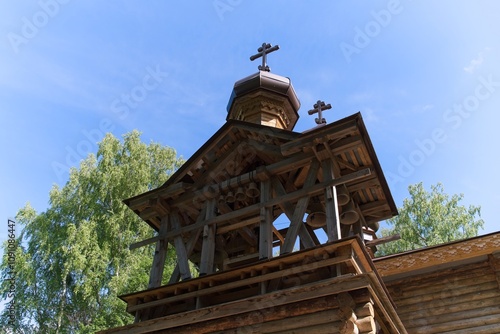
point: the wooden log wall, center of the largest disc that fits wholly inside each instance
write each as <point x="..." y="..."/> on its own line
<point x="460" y="301"/>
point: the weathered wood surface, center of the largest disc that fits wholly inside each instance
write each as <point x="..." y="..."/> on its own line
<point x="236" y="309"/>
<point x="462" y="299"/>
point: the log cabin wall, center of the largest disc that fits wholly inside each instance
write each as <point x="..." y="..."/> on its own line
<point x="452" y="288"/>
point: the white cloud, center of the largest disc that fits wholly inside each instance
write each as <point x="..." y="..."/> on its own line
<point x="475" y="63"/>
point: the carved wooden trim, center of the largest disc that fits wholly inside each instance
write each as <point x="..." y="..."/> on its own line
<point x="421" y="259"/>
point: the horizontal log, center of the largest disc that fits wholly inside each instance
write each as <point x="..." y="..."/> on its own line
<point x="349" y="327"/>
<point x="365" y="310"/>
<point x="366" y="324"/>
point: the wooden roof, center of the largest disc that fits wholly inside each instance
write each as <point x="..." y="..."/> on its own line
<point x="240" y="147"/>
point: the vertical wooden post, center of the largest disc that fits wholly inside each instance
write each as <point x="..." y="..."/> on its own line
<point x="159" y="257"/>
<point x="208" y="246"/>
<point x="266" y="222"/>
<point x="180" y="249"/>
<point x="176" y="275"/>
<point x="332" y="210"/>
<point x="300" y="210"/>
<point x="305" y="234"/>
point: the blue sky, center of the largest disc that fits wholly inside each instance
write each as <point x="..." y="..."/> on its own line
<point x="425" y="76"/>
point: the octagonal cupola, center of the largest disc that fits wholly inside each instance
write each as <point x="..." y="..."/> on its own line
<point x="264" y="98"/>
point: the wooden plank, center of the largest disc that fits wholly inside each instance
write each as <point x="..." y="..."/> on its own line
<point x="308" y="323"/>
<point x="332" y="211"/>
<point x="235" y="226"/>
<point x="300" y="209"/>
<point x="274" y="264"/>
<point x="326" y="287"/>
<point x="156" y="274"/>
<point x="180" y="249"/>
<point x="288" y="208"/>
<point x="243" y="282"/>
<point x="465" y="324"/>
<point x="330" y="132"/>
<point x="494" y="262"/>
<point x="208" y="246"/>
<point x="266" y="222"/>
<point x="277" y="318"/>
<point x="176" y="275"/>
<point x="145" y="242"/>
<point x="142" y="200"/>
<point x="278" y="235"/>
<point x="248" y="235"/>
<point x="382" y="240"/>
<point x="446" y="320"/>
<point x="326" y="328"/>
<point x="374" y="207"/>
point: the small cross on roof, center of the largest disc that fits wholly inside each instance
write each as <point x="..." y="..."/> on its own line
<point x="263" y="51"/>
<point x="318" y="108"/>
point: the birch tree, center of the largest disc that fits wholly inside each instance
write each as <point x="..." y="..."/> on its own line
<point x="72" y="260"/>
<point x="430" y="218"/>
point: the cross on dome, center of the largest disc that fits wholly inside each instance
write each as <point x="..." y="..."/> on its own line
<point x="265" y="49"/>
<point x="318" y="108"/>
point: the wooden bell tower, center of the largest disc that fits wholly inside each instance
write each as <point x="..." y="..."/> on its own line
<point x="219" y="210"/>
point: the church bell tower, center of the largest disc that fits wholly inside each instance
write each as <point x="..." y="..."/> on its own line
<point x="264" y="98"/>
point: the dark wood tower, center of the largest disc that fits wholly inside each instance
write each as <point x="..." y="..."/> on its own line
<point x="219" y="212"/>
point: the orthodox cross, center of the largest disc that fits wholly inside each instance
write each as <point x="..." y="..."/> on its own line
<point x="318" y="108"/>
<point x="263" y="51"/>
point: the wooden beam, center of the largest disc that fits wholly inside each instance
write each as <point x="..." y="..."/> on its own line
<point x="254" y="209"/>
<point x="208" y="247"/>
<point x="287" y="207"/>
<point x="235" y="226"/>
<point x="248" y="235"/>
<point x="248" y="281"/>
<point x="321" y="135"/>
<point x="142" y="200"/>
<point x="144" y="242"/>
<point x="382" y="240"/>
<point x="300" y="210"/>
<point x="266" y="222"/>
<point x="156" y="274"/>
<point x="180" y="249"/>
<point x="176" y="275"/>
<point x="278" y="235"/>
<point x="283" y="166"/>
<point x="332" y="211"/>
<point x="279" y="318"/>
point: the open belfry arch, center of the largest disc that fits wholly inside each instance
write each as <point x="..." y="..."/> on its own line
<point x="219" y="212"/>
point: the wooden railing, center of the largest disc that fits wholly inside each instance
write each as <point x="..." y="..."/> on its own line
<point x="345" y="257"/>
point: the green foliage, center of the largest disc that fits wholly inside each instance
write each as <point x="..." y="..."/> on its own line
<point x="73" y="259"/>
<point x="430" y="218"/>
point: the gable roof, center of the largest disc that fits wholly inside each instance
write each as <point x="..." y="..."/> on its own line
<point x="239" y="147"/>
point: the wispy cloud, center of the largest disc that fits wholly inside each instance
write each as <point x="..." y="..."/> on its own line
<point x="476" y="62"/>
